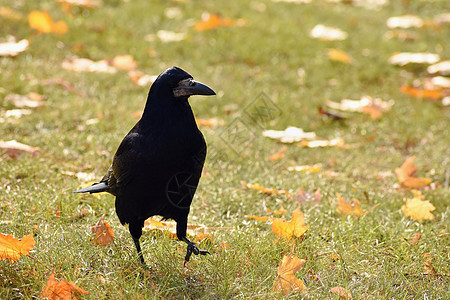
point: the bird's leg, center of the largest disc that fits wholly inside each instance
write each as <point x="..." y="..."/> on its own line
<point x="191" y="246"/>
<point x="136" y="232"/>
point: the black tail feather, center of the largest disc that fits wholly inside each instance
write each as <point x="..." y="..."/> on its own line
<point x="95" y="188"/>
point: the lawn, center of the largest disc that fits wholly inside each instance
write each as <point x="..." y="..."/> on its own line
<point x="269" y="74"/>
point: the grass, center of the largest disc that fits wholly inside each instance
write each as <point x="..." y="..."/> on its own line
<point x="375" y="257"/>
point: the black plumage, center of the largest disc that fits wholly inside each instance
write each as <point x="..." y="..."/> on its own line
<point x="157" y="166"/>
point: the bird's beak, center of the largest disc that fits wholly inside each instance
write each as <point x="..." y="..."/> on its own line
<point x="194" y="88"/>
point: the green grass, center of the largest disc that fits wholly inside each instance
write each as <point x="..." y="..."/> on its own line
<point x="376" y="258"/>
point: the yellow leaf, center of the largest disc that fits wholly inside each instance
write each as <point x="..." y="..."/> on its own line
<point x="339" y="55"/>
<point x="258" y="187"/>
<point x="286" y="279"/>
<point x="418" y="209"/>
<point x="288" y="229"/>
<point x="345" y="208"/>
<point x="11" y="248"/>
<point x="211" y="21"/>
<point x="43" y="23"/>
<point x="406" y="174"/>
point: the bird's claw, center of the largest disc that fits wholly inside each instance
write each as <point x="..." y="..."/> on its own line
<point x="192" y="248"/>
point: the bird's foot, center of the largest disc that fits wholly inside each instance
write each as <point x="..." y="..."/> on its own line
<point x="192" y="248"/>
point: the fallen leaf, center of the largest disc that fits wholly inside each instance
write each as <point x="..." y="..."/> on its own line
<point x="406" y="21"/>
<point x="405" y="58"/>
<point x="416" y="238"/>
<point x="442" y="19"/>
<point x="124" y="62"/>
<point x="289" y="229"/>
<point x="418" y="209"/>
<point x="13" y="48"/>
<point x="258" y="187"/>
<point x="278" y="155"/>
<point x="428" y="268"/>
<point x="43" y="23"/>
<point x="442" y="68"/>
<point x="345" y="208"/>
<point x="303" y="197"/>
<point x="373" y="106"/>
<point x="420" y="93"/>
<point x="56" y="290"/>
<point x="286" y="281"/>
<point x="86" y="65"/>
<point x="405" y="35"/>
<point x="81" y="3"/>
<point x="339" y="142"/>
<point x="406" y="174"/>
<point x="9" y="13"/>
<point x="341" y="292"/>
<point x="280" y="211"/>
<point x="141" y="79"/>
<point x="306" y="168"/>
<point x="211" y="122"/>
<point x="31" y="100"/>
<point x="258" y="218"/>
<point x="102" y="232"/>
<point x="12" y="248"/>
<point x="440" y="82"/>
<point x="326" y="33"/>
<point x="289" y="135"/>
<point x="14" y="149"/>
<point x="166" y="36"/>
<point x="339" y="55"/>
<point x="212" y="21"/>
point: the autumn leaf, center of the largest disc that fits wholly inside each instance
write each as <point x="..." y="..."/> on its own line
<point x="421" y="93"/>
<point x="368" y="105"/>
<point x="211" y="21"/>
<point x="306" y="168"/>
<point x="418" y="209"/>
<point x="289" y="229"/>
<point x="442" y="67"/>
<point x="258" y="187"/>
<point x="55" y="289"/>
<point x="339" y="55"/>
<point x="345" y="208"/>
<point x="286" y="281"/>
<point x="338" y="142"/>
<point x="406" y="21"/>
<point x="258" y="218"/>
<point x="416" y="238"/>
<point x="43" y="23"/>
<point x="405" y="58"/>
<point x="280" y="211"/>
<point x="303" y="197"/>
<point x="289" y="135"/>
<point x="141" y="79"/>
<point x="86" y="65"/>
<point x="327" y="33"/>
<point x="124" y="62"/>
<point x="210" y="122"/>
<point x="406" y="174"/>
<point x="11" y="248"/>
<point x="278" y="155"/>
<point x="341" y="292"/>
<point x="14" y="149"/>
<point x="102" y="232"/>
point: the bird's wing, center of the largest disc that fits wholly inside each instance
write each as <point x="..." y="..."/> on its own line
<point x="126" y="159"/>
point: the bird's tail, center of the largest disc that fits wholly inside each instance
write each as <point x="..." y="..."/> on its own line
<point x="95" y="188"/>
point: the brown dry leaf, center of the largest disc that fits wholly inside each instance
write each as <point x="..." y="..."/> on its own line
<point x="258" y="218"/>
<point x="339" y="55"/>
<point x="288" y="229"/>
<point x="326" y="33"/>
<point x="289" y="135"/>
<point x="86" y="65"/>
<point x="141" y="79"/>
<point x="43" y="23"/>
<point x="278" y="155"/>
<point x="14" y="149"/>
<point x="406" y="174"/>
<point x="124" y="62"/>
<point x="343" y="293"/>
<point x="56" y="290"/>
<point x="416" y="238"/>
<point x="258" y="187"/>
<point x="13" y="48"/>
<point x="286" y="281"/>
<point x="212" y="21"/>
<point x="102" y="232"/>
<point x="345" y="208"/>
<point x="11" y="248"/>
<point x="422" y="93"/>
<point x="418" y="209"/>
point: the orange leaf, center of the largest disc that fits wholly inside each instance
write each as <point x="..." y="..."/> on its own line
<point x="124" y="62"/>
<point x="345" y="208"/>
<point x="419" y="93"/>
<point x="416" y="238"/>
<point x="43" y="23"/>
<point x="288" y="229"/>
<point x="278" y="155"/>
<point x="11" y="248"/>
<point x="418" y="209"/>
<point x="103" y="234"/>
<point x="343" y="293"/>
<point x="406" y="174"/>
<point x="286" y="279"/>
<point x="211" y="21"/>
<point x="258" y="187"/>
<point x="339" y="55"/>
<point x="280" y="211"/>
<point x="61" y="289"/>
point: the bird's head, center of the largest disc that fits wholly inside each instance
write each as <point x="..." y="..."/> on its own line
<point x="181" y="84"/>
